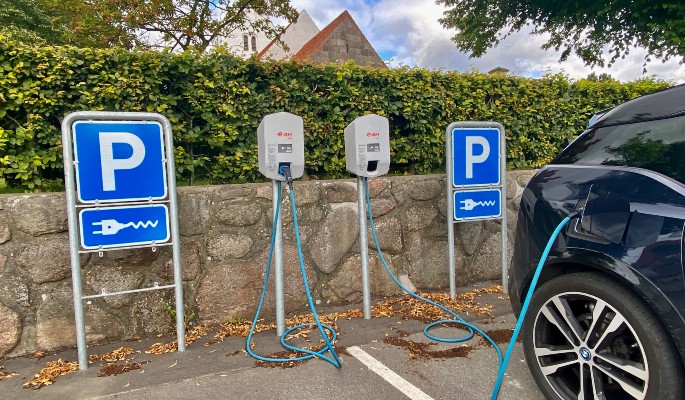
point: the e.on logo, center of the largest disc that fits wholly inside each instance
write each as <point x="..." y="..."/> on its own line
<point x="286" y="135"/>
<point x="375" y="135"/>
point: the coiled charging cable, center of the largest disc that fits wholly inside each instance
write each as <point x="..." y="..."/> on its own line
<point x="323" y="328"/>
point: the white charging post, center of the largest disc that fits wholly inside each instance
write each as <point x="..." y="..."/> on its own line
<point x="367" y="154"/>
<point x="280" y="138"/>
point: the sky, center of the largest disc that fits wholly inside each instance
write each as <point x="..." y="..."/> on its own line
<point x="407" y="32"/>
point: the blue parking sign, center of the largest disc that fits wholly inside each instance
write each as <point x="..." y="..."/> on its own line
<point x="476" y="156"/>
<point x="121" y="194"/>
<point x="119" y="160"/>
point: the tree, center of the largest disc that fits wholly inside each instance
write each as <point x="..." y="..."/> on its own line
<point x="75" y="22"/>
<point x="29" y="21"/>
<point x="585" y="28"/>
<point x="179" y="24"/>
<point x="149" y="24"/>
<point x="603" y="77"/>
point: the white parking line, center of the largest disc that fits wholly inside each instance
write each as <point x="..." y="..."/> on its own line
<point x="386" y="373"/>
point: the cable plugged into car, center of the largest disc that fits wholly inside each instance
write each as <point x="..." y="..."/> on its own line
<point x="524" y="309"/>
<point x="503" y="360"/>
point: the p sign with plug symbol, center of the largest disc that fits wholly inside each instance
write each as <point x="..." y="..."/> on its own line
<point x="475" y="170"/>
<point x="475" y="157"/>
<point x="119" y="164"/>
<point x="120" y="185"/>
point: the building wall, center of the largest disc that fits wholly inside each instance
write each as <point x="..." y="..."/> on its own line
<point x="225" y="234"/>
<point x="347" y="43"/>
<point x="295" y="36"/>
<point x="234" y="42"/>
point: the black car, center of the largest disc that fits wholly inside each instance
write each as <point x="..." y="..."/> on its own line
<point x="607" y="319"/>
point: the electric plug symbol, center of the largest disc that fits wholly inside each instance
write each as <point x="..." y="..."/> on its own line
<point x="469" y="204"/>
<point x="109" y="227"/>
<point x="112" y="226"/>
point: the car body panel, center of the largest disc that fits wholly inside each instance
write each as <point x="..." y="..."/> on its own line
<point x="648" y="259"/>
<point x="663" y="104"/>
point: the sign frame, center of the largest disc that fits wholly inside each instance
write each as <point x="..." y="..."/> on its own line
<point x="451" y="189"/>
<point x="75" y="204"/>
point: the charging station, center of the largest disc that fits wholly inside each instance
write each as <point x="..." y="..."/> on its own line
<point x="367" y="146"/>
<point x="367" y="154"/>
<point x="280" y="138"/>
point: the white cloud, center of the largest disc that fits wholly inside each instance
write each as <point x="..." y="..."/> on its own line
<point x="410" y="30"/>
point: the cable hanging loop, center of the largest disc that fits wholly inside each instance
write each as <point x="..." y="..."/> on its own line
<point x="323" y="328"/>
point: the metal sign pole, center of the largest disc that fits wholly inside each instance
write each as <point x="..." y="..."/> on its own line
<point x="450" y="216"/>
<point x="70" y="187"/>
<point x="364" y="248"/>
<point x="278" y="260"/>
<point x="505" y="236"/>
<point x="176" y="238"/>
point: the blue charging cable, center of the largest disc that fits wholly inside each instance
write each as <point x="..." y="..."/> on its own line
<point x="323" y="328"/>
<point x="526" y="303"/>
<point x="503" y="361"/>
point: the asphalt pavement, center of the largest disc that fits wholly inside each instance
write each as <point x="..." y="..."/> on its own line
<point x="382" y="358"/>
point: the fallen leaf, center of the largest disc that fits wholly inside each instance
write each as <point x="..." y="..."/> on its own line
<point x="5" y="375"/>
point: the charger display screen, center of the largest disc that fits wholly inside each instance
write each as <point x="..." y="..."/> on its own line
<point x="373" y="147"/>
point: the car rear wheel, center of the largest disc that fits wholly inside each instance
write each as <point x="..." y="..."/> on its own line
<point x="587" y="337"/>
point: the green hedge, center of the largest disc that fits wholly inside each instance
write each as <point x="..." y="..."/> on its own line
<point x="216" y="101"/>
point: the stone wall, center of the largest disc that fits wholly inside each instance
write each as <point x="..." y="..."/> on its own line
<point x="225" y="236"/>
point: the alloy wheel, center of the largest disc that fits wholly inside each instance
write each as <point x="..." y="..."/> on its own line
<point x="586" y="349"/>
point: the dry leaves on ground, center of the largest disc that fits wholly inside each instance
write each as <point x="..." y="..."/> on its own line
<point x="119" y="354"/>
<point x="55" y="369"/>
<point x="406" y="307"/>
<point x="47" y="375"/>
<point x="192" y="335"/>
<point x="114" y="368"/>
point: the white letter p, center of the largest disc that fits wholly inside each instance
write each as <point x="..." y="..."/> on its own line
<point x="110" y="164"/>
<point x="470" y="158"/>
